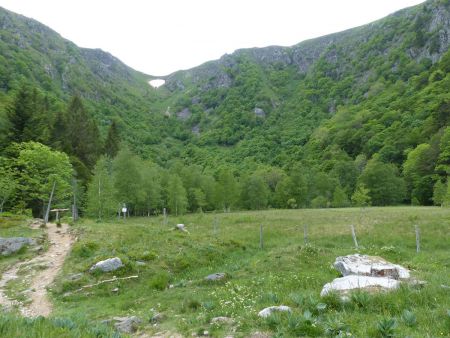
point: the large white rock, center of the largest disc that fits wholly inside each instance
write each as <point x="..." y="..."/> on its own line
<point x="271" y="309"/>
<point x="367" y="283"/>
<point x="107" y="265"/>
<point x="364" y="265"/>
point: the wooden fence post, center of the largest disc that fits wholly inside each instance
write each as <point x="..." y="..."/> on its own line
<point x="261" y="240"/>
<point x="417" y="238"/>
<point x="305" y="233"/>
<point x="354" y="236"/>
<point x="215" y="226"/>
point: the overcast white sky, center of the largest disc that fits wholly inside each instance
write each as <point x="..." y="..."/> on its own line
<point x="161" y="36"/>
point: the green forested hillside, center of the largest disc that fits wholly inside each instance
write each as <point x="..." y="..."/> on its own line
<point x="359" y="116"/>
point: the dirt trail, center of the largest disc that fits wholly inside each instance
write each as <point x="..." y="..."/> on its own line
<point x="49" y="263"/>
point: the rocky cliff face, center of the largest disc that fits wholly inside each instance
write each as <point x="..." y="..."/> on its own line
<point x="430" y="21"/>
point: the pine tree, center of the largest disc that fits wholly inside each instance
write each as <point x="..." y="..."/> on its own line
<point x="83" y="137"/>
<point x="112" y="142"/>
<point x="19" y="115"/>
<point x="58" y="133"/>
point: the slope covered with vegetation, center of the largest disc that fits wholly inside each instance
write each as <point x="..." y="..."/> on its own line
<point x="359" y="116"/>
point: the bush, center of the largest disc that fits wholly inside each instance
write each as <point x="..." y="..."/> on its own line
<point x="160" y="281"/>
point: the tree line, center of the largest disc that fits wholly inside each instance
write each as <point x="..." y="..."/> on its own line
<point x="46" y="142"/>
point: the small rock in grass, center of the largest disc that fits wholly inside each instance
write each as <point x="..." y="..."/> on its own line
<point x="126" y="324"/>
<point x="216" y="276"/>
<point x="157" y="318"/>
<point x="181" y="227"/>
<point x="140" y="263"/>
<point x="115" y="290"/>
<point x="271" y="309"/>
<point x="221" y="320"/>
<point x="107" y="265"/>
<point x="75" y="276"/>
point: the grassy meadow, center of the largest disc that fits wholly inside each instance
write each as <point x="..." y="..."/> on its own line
<point x="171" y="266"/>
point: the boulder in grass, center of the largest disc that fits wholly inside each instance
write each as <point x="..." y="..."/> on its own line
<point x="11" y="245"/>
<point x="346" y="284"/>
<point x="110" y="264"/>
<point x="216" y="277"/>
<point x="126" y="324"/>
<point x="271" y="309"/>
<point x="363" y="265"/>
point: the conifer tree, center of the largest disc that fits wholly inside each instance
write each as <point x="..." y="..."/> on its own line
<point x="83" y="137"/>
<point x="112" y="142"/>
<point x="19" y="115"/>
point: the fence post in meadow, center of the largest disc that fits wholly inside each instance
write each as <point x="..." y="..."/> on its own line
<point x="215" y="232"/>
<point x="261" y="240"/>
<point x="305" y="233"/>
<point x="354" y="236"/>
<point x="416" y="227"/>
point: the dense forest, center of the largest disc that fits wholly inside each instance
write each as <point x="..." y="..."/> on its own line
<point x="359" y="118"/>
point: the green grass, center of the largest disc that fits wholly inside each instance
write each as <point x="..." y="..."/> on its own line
<point x="285" y="272"/>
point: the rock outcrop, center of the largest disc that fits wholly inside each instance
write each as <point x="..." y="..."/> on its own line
<point x="364" y="265"/>
<point x="368" y="273"/>
<point x="13" y="244"/>
<point x="346" y="284"/>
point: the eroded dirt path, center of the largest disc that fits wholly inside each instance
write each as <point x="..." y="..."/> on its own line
<point x="41" y="271"/>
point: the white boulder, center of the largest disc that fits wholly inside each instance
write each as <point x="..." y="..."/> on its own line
<point x="363" y="265"/>
<point x="367" y="283"/>
<point x="271" y="309"/>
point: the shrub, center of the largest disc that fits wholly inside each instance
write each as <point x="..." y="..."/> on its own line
<point x="160" y="281"/>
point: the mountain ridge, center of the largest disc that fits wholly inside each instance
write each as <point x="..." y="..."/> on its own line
<point x="294" y="54"/>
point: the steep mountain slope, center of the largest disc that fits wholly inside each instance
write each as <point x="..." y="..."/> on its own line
<point x="33" y="53"/>
<point x="255" y="106"/>
<point x="267" y="102"/>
